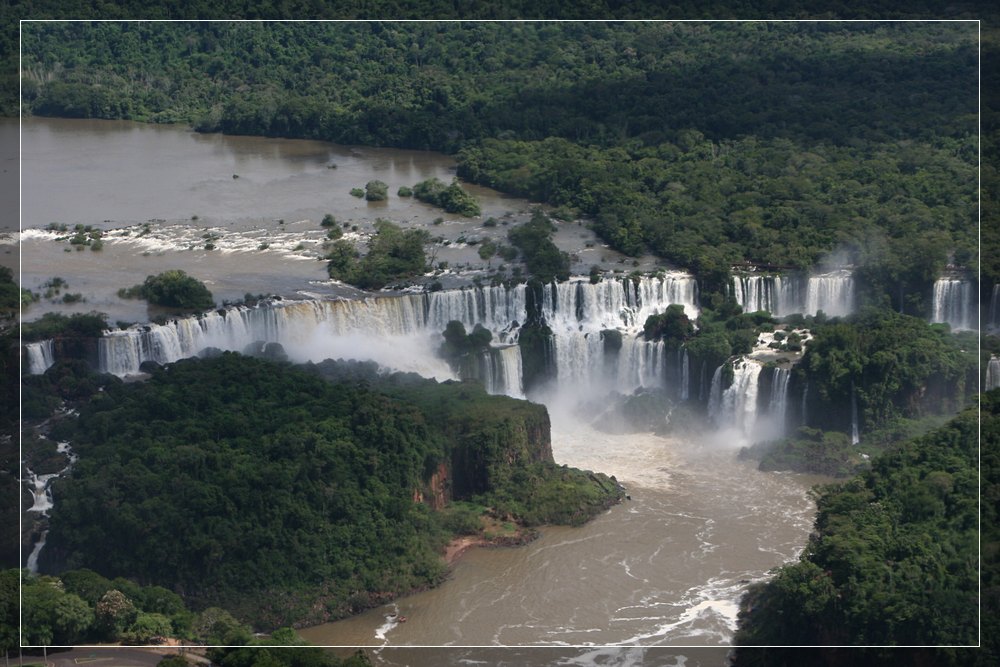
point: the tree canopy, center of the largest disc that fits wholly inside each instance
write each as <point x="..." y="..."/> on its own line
<point x="281" y="496"/>
<point x="894" y="561"/>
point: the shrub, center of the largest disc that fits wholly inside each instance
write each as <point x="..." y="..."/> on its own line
<point x="174" y="289"/>
<point x="376" y="191"/>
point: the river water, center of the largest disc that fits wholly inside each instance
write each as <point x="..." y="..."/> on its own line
<point x="665" y="568"/>
<point x="259" y="201"/>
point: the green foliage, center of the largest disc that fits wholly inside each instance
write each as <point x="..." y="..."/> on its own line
<point x="534" y="239"/>
<point x="463" y="518"/>
<point x="173" y="660"/>
<point x="357" y="192"/>
<point x="11" y="296"/>
<point x="393" y="254"/>
<point x="337" y="530"/>
<point x="216" y="626"/>
<point x="56" y="325"/>
<point x="328" y="221"/>
<point x="173" y="289"/>
<point x="10" y="609"/>
<point x="811" y="450"/>
<point x="859" y="135"/>
<point x="146" y="628"/>
<point x="547" y="493"/>
<point x="451" y="198"/>
<point x="376" y="191"/>
<point x="487" y="250"/>
<point x="113" y="613"/>
<point x="340" y="516"/>
<point x="274" y="653"/>
<point x="81" y="606"/>
<point x="898" y="366"/>
<point x="52" y="616"/>
<point x="404" y="191"/>
<point x="895" y="559"/>
<point x="672" y="325"/>
<point x="537" y="354"/>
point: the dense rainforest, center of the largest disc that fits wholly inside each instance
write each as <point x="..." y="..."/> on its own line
<point x="711" y="145"/>
<point x="894" y="560"/>
<point x="287" y="497"/>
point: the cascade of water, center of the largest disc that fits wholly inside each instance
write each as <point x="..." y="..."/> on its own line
<point x="641" y="364"/>
<point x="752" y="293"/>
<point x="833" y="293"/>
<point x="855" y="434"/>
<point x="736" y="406"/>
<point x="41" y="494"/>
<point x="778" y="405"/>
<point x="992" y="380"/>
<point x="778" y="295"/>
<point x="495" y="307"/>
<point x="42" y="500"/>
<point x="394" y="329"/>
<point x="805" y="405"/>
<point x="510" y="365"/>
<point x="32" y="562"/>
<point x="715" y="395"/>
<point x="579" y="306"/>
<point x="41" y="356"/>
<point x="954" y="303"/>
<point x="703" y="386"/>
<point x="994" y="322"/>
<point x="685" y="374"/>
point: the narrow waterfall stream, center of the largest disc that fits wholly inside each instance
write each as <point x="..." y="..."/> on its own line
<point x="42" y="500"/>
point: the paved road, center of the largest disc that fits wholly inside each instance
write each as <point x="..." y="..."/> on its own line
<point x="104" y="657"/>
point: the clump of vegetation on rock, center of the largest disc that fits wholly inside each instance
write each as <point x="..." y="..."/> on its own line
<point x="173" y="289"/>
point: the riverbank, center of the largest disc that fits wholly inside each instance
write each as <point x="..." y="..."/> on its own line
<point x="515" y="537"/>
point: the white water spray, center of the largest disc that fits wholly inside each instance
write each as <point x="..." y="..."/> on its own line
<point x="954" y="303"/>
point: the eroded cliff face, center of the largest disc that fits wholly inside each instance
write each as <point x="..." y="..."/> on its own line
<point x="437" y="493"/>
<point x="486" y="454"/>
<point x="486" y="446"/>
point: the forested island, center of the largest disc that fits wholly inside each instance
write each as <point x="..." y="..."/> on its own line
<point x="364" y="479"/>
<point x="725" y="149"/>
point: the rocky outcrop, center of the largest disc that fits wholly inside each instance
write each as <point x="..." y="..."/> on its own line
<point x="487" y="451"/>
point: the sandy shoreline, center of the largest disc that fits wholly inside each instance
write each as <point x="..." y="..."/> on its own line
<point x="459" y="546"/>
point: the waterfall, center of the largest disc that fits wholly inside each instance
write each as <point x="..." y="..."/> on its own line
<point x="42" y="500"/>
<point x="715" y="393"/>
<point x="41" y="356"/>
<point x="778" y="403"/>
<point x="736" y="406"/>
<point x="40" y="491"/>
<point x="32" y="562"/>
<point x="403" y="332"/>
<point x="805" y="405"/>
<point x="367" y="325"/>
<point x="833" y="293"/>
<point x="499" y="369"/>
<point x="579" y="306"/>
<point x="685" y="374"/>
<point x="994" y="322"/>
<point x="496" y="308"/>
<point x="992" y="374"/>
<point x="855" y="434"/>
<point x="778" y="295"/>
<point x="954" y="302"/>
